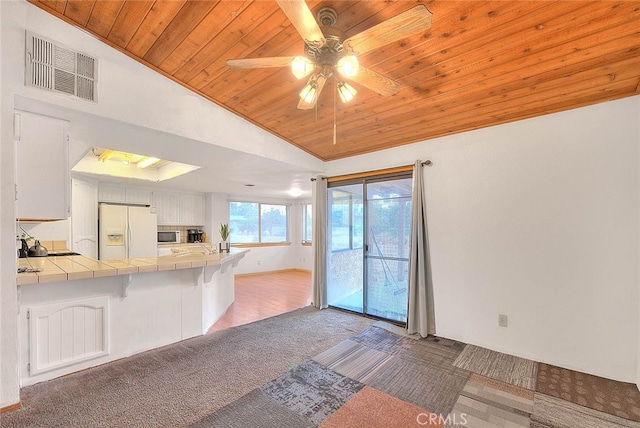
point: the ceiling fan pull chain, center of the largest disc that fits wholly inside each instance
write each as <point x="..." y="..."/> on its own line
<point x="334" y="114"/>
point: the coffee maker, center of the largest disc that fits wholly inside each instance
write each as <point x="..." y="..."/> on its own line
<point x="194" y="235"/>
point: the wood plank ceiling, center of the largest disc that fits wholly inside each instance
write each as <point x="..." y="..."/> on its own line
<point x="480" y="64"/>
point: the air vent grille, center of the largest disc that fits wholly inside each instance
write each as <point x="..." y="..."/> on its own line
<point x="55" y="68"/>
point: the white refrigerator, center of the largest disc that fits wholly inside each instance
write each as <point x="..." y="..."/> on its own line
<point x="127" y="232"/>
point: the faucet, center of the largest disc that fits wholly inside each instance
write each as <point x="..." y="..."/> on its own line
<point x="22" y="252"/>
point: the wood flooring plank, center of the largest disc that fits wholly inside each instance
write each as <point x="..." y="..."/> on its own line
<point x="265" y="295"/>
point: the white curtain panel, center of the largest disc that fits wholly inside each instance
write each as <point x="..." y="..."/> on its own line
<point x="420" y="313"/>
<point x="319" y="243"/>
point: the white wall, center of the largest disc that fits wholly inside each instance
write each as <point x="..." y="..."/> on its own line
<point x="537" y="220"/>
<point x="9" y="393"/>
<point x="48" y="231"/>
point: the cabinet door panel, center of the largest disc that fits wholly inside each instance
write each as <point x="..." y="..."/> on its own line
<point x="111" y="193"/>
<point x="138" y="196"/>
<point x="191" y="209"/>
<point x="42" y="167"/>
<point x="167" y="207"/>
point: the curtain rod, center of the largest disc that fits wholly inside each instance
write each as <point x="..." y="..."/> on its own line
<point x="373" y="173"/>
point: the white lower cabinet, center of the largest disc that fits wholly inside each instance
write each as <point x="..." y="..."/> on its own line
<point x="67" y="333"/>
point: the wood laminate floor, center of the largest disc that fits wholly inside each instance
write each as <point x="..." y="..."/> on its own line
<point x="260" y="296"/>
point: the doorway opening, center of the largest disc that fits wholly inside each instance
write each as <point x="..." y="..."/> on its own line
<point x="368" y="234"/>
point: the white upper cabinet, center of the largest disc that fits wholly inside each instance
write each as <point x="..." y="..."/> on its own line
<point x="179" y="209"/>
<point x="167" y="207"/>
<point x="43" y="183"/>
<point x="191" y="209"/>
<point x="172" y="208"/>
<point x="123" y="194"/>
<point x="134" y="195"/>
<point x="111" y="193"/>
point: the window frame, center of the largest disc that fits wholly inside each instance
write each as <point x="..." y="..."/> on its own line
<point x="307" y="208"/>
<point x="260" y="243"/>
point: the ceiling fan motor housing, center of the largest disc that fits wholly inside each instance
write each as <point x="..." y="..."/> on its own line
<point x="327" y="17"/>
<point x="327" y="55"/>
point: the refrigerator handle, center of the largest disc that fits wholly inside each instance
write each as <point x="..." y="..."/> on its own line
<point x="128" y="244"/>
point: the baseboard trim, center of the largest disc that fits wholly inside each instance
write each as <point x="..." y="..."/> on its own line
<point x="10" y="408"/>
<point x="274" y="271"/>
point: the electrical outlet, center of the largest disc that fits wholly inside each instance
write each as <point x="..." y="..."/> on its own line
<point x="503" y="320"/>
<point x="259" y="262"/>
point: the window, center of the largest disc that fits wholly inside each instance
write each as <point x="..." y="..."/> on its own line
<point x="307" y="224"/>
<point x="346" y="219"/>
<point x="256" y="223"/>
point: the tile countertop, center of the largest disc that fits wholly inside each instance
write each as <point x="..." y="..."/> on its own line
<point x="68" y="268"/>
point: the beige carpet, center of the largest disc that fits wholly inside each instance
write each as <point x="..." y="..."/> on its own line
<point x="496" y="365"/>
<point x="179" y="384"/>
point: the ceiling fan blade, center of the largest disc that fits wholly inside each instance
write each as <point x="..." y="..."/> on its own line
<point x="407" y="23"/>
<point x="302" y="19"/>
<point x="375" y="81"/>
<point x="320" y="80"/>
<point x="272" y="62"/>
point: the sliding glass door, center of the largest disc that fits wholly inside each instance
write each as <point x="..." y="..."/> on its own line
<point x="367" y="262"/>
<point x="345" y="258"/>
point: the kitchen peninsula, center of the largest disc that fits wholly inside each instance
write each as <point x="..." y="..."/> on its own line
<point x="78" y="312"/>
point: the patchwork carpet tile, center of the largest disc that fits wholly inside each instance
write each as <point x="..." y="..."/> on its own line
<point x="354" y="360"/>
<point x="429" y="386"/>
<point x="486" y="402"/>
<point x="609" y="396"/>
<point x="370" y="408"/>
<point x="552" y="412"/>
<point x="430" y="350"/>
<point x="256" y="410"/>
<point x="496" y="365"/>
<point x="311" y="390"/>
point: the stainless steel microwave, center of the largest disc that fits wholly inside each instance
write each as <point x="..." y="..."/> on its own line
<point x="168" y="237"/>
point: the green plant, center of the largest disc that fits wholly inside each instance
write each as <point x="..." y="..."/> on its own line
<point x="224" y="231"/>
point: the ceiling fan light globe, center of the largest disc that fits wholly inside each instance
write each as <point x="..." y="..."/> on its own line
<point x="309" y="93"/>
<point x="348" y="65"/>
<point x="346" y="92"/>
<point x="301" y="67"/>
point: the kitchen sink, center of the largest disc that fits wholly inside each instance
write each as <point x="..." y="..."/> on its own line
<point x="62" y="253"/>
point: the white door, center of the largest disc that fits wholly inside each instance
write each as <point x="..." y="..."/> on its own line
<point x="142" y="233"/>
<point x="84" y="215"/>
<point x="113" y="232"/>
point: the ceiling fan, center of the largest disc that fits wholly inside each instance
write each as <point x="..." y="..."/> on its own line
<point x="327" y="51"/>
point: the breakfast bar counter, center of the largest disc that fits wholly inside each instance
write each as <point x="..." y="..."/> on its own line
<point x="67" y="268"/>
<point x="76" y="312"/>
